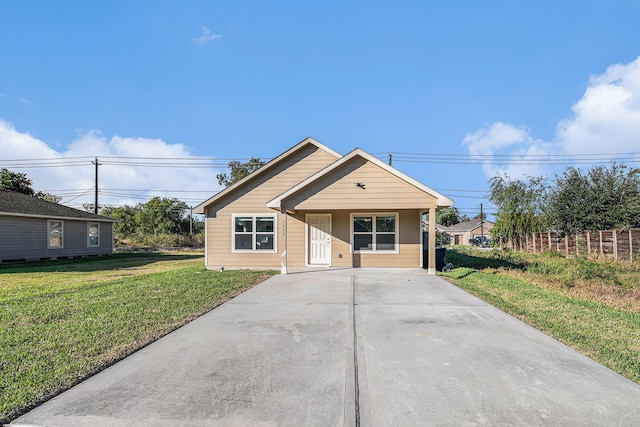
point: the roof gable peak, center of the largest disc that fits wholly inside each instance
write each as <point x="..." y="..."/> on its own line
<point x="269" y="165"/>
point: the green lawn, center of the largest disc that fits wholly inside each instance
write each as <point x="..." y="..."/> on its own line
<point x="63" y="321"/>
<point x="597" y="314"/>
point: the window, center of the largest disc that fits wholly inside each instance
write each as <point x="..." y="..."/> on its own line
<point x="375" y="233"/>
<point x="55" y="230"/>
<point x="93" y="234"/>
<point x="254" y="233"/>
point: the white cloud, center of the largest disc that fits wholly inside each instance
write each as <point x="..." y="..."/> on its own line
<point x="118" y="183"/>
<point x="26" y="101"/>
<point x="606" y="120"/>
<point x="503" y="149"/>
<point x="206" y="36"/>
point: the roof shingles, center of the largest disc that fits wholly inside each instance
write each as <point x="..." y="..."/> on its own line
<point x="12" y="203"/>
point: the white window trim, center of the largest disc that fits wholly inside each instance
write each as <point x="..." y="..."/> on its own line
<point x="89" y="245"/>
<point x="375" y="214"/>
<point x="49" y="221"/>
<point x="254" y="251"/>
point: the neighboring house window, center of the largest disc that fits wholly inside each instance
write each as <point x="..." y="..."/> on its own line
<point x="375" y="233"/>
<point x="254" y="233"/>
<point x="55" y="231"/>
<point x="93" y="234"/>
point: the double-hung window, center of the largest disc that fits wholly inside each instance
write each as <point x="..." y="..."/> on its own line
<point x="55" y="232"/>
<point x="93" y="234"/>
<point x="254" y="233"/>
<point x="374" y="232"/>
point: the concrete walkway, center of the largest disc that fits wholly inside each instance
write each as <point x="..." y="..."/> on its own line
<point x="283" y="353"/>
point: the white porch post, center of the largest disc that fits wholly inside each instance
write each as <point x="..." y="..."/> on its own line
<point x="432" y="241"/>
<point x="283" y="257"/>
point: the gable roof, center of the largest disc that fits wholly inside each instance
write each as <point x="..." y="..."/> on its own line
<point x="276" y="203"/>
<point x="200" y="208"/>
<point x="19" y="204"/>
<point x="467" y="225"/>
<point x="439" y="227"/>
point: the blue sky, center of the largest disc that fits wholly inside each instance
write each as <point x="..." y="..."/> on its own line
<point x="524" y="87"/>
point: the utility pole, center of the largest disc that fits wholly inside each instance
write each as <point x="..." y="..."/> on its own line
<point x="95" y="203"/>
<point x="191" y="222"/>
<point x="481" y="224"/>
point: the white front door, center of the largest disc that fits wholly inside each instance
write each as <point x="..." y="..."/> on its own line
<point x="319" y="235"/>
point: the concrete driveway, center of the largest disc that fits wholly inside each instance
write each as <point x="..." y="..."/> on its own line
<point x="370" y="347"/>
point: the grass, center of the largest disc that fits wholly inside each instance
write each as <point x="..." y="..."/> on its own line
<point x="592" y="306"/>
<point x="63" y="321"/>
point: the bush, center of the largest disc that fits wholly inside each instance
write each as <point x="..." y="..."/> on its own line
<point x="583" y="269"/>
<point x="164" y="240"/>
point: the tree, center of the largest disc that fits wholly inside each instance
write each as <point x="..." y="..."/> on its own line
<point x="239" y="170"/>
<point x="600" y="199"/>
<point x="15" y="181"/>
<point x="127" y="224"/>
<point x="48" y="197"/>
<point x="21" y="183"/>
<point x="448" y="216"/>
<point x="482" y="216"/>
<point x="520" y="206"/>
<point x="162" y="215"/>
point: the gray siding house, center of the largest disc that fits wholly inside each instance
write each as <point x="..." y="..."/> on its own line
<point x="32" y="229"/>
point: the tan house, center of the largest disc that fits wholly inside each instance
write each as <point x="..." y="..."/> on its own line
<point x="311" y="207"/>
<point x="463" y="232"/>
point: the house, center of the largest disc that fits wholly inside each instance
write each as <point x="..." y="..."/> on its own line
<point x="32" y="229"/>
<point x="311" y="207"/>
<point x="462" y="232"/>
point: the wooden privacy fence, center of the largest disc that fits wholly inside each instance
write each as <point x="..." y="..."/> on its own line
<point x="619" y="245"/>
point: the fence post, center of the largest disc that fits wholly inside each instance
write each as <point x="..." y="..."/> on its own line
<point x="588" y="243"/>
<point x="615" y="245"/>
<point x="601" y="251"/>
<point x="566" y="245"/>
<point x="630" y="247"/>
<point x="534" y="242"/>
<point x="549" y="239"/>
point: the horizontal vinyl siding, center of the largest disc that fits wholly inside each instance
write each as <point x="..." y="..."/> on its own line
<point x="256" y="193"/>
<point x="27" y="238"/>
<point x="252" y="199"/>
<point x="341" y="245"/>
<point x="338" y="190"/>
<point x="296" y="240"/>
